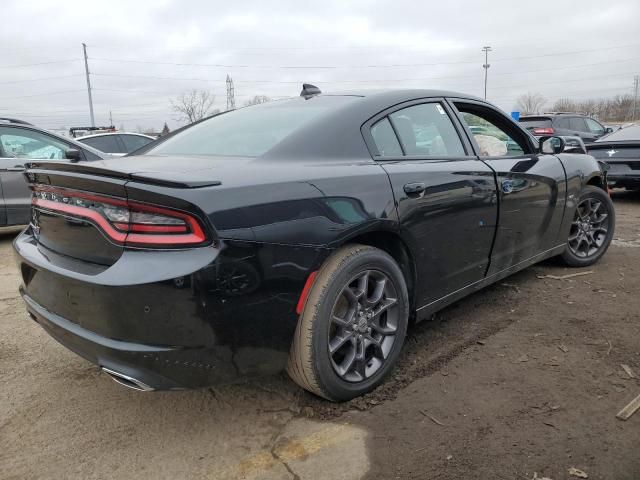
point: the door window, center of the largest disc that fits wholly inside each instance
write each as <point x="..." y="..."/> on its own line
<point x="495" y="136"/>
<point x="134" y="142"/>
<point x="563" y="123"/>
<point x="577" y="124"/>
<point x="23" y="143"/>
<point x="105" y="143"/>
<point x="426" y="130"/>
<point x="594" y="127"/>
<point x="385" y="139"/>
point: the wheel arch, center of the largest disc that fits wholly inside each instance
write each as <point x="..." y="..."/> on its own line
<point x="393" y="244"/>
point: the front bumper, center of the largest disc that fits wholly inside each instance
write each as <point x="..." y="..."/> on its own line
<point x="229" y="314"/>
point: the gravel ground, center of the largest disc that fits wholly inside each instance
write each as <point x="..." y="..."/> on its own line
<point x="519" y="381"/>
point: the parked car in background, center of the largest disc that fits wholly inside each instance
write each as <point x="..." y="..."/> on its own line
<point x="117" y="144"/>
<point x="565" y="124"/>
<point x="306" y="232"/>
<point x="621" y="150"/>
<point x="21" y="142"/>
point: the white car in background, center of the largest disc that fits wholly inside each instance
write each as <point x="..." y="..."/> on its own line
<point x="118" y="144"/>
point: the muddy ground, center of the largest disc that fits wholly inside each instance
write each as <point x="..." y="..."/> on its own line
<point x="519" y="381"/>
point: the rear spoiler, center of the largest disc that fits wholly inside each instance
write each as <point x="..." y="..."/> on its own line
<point x="164" y="179"/>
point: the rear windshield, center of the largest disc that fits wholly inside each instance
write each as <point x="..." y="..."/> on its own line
<point x="535" y="122"/>
<point x="250" y="131"/>
<point x="632" y="132"/>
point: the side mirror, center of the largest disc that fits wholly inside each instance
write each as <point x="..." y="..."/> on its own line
<point x="73" y="154"/>
<point x="608" y="130"/>
<point x="551" y="145"/>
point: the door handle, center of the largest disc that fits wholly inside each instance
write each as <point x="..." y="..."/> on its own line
<point x="414" y="189"/>
<point x="17" y="168"/>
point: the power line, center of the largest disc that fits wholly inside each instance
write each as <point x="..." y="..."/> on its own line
<point x="41" y="79"/>
<point x="42" y="94"/>
<point x="40" y="63"/>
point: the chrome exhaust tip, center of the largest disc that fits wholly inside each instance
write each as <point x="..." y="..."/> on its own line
<point x="127" y="381"/>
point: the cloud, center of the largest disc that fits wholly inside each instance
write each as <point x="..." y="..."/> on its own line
<point x="143" y="54"/>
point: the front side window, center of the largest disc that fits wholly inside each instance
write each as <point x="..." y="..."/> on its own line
<point x="23" y="143"/>
<point x="426" y="130"/>
<point x="594" y="127"/>
<point x="494" y="136"/>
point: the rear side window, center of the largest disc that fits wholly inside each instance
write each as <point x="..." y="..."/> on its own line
<point x="562" y="123"/>
<point x="385" y="139"/>
<point x="577" y="123"/>
<point x="134" y="142"/>
<point x="106" y="144"/>
<point x="426" y="130"/>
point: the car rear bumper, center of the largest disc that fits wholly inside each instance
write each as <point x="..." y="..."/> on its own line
<point x="195" y="329"/>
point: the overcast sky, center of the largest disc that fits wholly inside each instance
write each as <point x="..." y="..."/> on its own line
<point x="142" y="54"/>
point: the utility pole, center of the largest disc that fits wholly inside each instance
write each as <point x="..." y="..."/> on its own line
<point x="110" y="119"/>
<point x="86" y="70"/>
<point x="636" y="86"/>
<point x="231" y="99"/>
<point x="486" y="66"/>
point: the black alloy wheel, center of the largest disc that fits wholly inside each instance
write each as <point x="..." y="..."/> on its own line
<point x="592" y="228"/>
<point x="363" y="326"/>
<point x="353" y="324"/>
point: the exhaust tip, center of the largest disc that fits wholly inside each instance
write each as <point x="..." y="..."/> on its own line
<point x="127" y="381"/>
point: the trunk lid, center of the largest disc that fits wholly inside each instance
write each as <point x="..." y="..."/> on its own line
<point x="68" y="195"/>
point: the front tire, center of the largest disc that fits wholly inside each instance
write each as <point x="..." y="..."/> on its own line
<point x="592" y="228"/>
<point x="353" y="325"/>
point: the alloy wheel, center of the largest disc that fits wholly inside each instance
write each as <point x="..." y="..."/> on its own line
<point x="589" y="228"/>
<point x="364" y="321"/>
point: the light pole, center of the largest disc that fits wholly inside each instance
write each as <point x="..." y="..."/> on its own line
<point x="486" y="66"/>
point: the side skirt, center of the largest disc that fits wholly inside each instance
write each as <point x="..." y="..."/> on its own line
<point x="428" y="310"/>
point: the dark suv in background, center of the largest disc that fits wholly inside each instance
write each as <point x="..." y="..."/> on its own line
<point x="565" y="124"/>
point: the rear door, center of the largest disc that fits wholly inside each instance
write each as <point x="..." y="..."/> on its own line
<point x="531" y="186"/>
<point x="445" y="197"/>
<point x="19" y="145"/>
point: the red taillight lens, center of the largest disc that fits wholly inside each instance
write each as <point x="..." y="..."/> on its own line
<point x="124" y="222"/>
<point x="543" y="131"/>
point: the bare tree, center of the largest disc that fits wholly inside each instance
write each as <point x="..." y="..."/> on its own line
<point x="530" y="103"/>
<point x="615" y="109"/>
<point x="257" y="100"/>
<point x="194" y="105"/>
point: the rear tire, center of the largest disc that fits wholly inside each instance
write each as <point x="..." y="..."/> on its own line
<point x="353" y="325"/>
<point x="592" y="228"/>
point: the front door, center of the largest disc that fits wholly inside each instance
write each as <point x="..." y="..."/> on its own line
<point x="18" y="146"/>
<point x="531" y="185"/>
<point x="445" y="196"/>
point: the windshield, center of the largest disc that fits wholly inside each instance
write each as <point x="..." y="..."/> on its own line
<point x="250" y="131"/>
<point x="632" y="132"/>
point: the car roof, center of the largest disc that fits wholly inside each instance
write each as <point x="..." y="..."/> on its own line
<point x="28" y="126"/>
<point x="109" y="134"/>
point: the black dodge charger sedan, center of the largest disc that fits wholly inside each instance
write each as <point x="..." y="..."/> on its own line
<point x="305" y="233"/>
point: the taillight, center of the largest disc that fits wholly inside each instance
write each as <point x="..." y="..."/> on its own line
<point x="125" y="222"/>
<point x="543" y="131"/>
